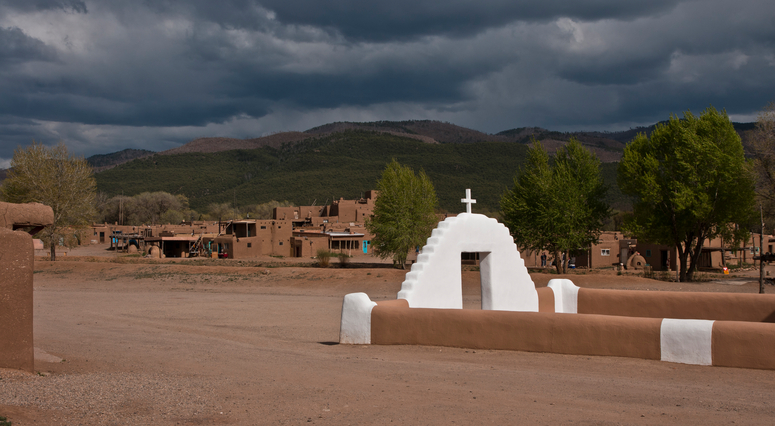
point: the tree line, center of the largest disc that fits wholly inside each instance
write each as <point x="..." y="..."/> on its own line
<point x="152" y="208"/>
<point x="690" y="181"/>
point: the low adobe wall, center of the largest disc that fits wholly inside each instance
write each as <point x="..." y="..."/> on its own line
<point x="703" y="342"/>
<point x="680" y="305"/>
<point x="521" y="331"/>
<point x="30" y="214"/>
<point x="733" y="330"/>
<point x="16" y="268"/>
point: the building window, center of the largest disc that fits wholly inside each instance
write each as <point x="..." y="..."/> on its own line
<point x="648" y="253"/>
<point x="605" y="252"/>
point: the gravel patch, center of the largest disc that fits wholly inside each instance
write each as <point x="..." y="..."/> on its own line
<point x="113" y="398"/>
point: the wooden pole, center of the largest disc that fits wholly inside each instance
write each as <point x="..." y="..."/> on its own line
<point x="761" y="253"/>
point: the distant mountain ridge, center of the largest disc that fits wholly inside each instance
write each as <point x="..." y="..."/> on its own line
<point x="102" y="162"/>
<point x="608" y="146"/>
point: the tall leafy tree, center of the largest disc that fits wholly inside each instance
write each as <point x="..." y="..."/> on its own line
<point x="557" y="206"/>
<point x="404" y="212"/>
<point x="690" y="181"/>
<point x="53" y="177"/>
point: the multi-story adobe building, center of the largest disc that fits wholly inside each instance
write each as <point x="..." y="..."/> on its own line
<point x="338" y="227"/>
<point x="292" y="232"/>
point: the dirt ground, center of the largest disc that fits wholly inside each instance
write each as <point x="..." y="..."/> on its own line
<point x="256" y="343"/>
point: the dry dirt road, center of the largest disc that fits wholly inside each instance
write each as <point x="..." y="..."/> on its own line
<point x="195" y="345"/>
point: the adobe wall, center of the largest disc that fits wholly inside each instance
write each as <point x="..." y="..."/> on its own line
<point x="521" y="331"/>
<point x="16" y="268"/>
<point x="30" y="214"/>
<point x="309" y="244"/>
<point x="701" y="342"/>
<point x="733" y="330"/>
<point x="238" y="248"/>
<point x="280" y="242"/>
<point x="680" y="305"/>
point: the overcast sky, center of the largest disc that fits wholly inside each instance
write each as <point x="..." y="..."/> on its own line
<point x="108" y="75"/>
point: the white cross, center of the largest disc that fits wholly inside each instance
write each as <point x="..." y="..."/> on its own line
<point x="468" y="201"/>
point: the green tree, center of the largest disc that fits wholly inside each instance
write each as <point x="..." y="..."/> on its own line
<point x="53" y="177"/>
<point x="690" y="181"/>
<point x="557" y="206"/>
<point x="404" y="212"/>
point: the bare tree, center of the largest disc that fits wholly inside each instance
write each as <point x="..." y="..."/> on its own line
<point x="53" y="177"/>
<point x="222" y="211"/>
<point x="763" y="144"/>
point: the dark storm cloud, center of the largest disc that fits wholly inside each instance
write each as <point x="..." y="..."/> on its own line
<point x="16" y="47"/>
<point x="73" y="6"/>
<point x="401" y="19"/>
<point x="109" y="75"/>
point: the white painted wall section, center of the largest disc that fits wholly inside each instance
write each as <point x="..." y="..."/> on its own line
<point x="686" y="341"/>
<point x="566" y="296"/>
<point x="355" y="328"/>
<point x="435" y="281"/>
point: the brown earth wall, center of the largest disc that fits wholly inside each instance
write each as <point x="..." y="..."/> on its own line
<point x="522" y="331"/>
<point x="545" y="299"/>
<point x="240" y="250"/>
<point x="22" y="214"/>
<point x="679" y="305"/>
<point x="16" y="267"/>
<point x="743" y="344"/>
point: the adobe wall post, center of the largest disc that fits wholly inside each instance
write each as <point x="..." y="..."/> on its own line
<point x="16" y="268"/>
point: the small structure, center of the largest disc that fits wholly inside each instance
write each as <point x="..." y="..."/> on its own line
<point x="16" y="268"/>
<point x="733" y="330"/>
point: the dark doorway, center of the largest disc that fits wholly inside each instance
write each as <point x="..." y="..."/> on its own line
<point x="471" y="280"/>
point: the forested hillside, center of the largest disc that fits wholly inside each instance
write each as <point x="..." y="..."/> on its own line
<point x="319" y="170"/>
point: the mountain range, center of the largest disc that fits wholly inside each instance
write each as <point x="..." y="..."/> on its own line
<point x="344" y="159"/>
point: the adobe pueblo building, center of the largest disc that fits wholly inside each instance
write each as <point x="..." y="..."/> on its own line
<point x="292" y="232"/>
<point x="734" y="330"/>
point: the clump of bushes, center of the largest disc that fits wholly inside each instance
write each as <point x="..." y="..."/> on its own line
<point x="324" y="258"/>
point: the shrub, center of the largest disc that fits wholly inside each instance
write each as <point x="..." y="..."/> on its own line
<point x="324" y="258"/>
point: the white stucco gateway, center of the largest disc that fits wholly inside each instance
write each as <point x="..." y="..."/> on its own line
<point x="435" y="281"/>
